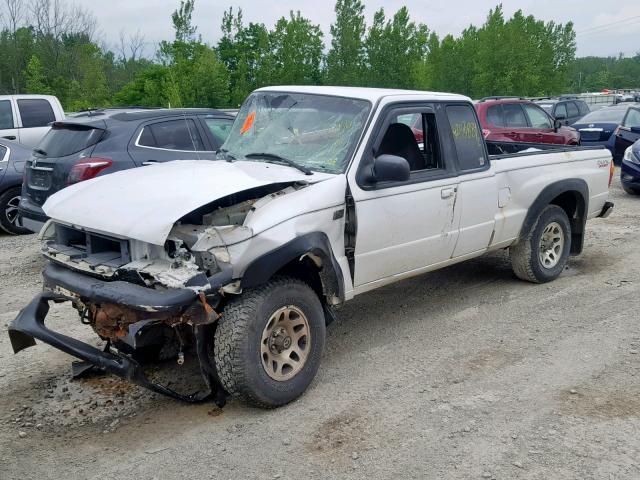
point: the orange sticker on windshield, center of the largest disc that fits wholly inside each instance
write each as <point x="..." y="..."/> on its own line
<point x="248" y="123"/>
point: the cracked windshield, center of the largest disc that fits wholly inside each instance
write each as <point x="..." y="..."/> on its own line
<point x="314" y="131"/>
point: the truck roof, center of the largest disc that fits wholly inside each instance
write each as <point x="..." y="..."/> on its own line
<point x="364" y="93"/>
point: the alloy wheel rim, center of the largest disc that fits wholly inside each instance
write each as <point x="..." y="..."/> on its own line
<point x="551" y="245"/>
<point x="285" y="343"/>
<point x="11" y="212"/>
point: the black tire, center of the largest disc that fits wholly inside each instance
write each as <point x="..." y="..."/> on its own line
<point x="631" y="191"/>
<point x="9" y="219"/>
<point x="525" y="258"/>
<point x="238" y="342"/>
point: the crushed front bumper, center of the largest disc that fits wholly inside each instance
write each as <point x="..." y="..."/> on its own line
<point x="29" y="325"/>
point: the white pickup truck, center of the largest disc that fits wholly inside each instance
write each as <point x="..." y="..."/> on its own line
<point x="26" y="118"/>
<point x="319" y="194"/>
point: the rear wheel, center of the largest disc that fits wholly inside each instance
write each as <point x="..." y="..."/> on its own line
<point x="269" y="342"/>
<point x="542" y="255"/>
<point x="9" y="218"/>
<point x="631" y="191"/>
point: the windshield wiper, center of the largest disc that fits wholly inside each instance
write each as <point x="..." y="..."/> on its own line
<point x="277" y="158"/>
<point x="39" y="151"/>
<point x="227" y="156"/>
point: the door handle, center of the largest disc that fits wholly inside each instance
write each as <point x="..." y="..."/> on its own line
<point x="149" y="162"/>
<point x="447" y="192"/>
<point x="10" y="137"/>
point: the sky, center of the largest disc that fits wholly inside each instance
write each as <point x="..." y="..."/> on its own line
<point x="603" y="28"/>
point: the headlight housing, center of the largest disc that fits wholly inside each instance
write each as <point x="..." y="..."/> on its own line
<point x="630" y="156"/>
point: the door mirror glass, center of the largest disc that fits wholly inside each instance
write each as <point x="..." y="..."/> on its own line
<point x="390" y="168"/>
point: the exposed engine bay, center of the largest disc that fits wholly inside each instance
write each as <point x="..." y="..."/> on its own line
<point x="195" y="249"/>
<point x="194" y="253"/>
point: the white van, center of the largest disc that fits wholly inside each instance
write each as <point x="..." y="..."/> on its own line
<point x="26" y="118"/>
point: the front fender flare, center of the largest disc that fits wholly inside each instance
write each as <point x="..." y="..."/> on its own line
<point x="261" y="269"/>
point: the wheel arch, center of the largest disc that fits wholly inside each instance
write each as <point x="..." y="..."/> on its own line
<point x="572" y="195"/>
<point x="308" y="257"/>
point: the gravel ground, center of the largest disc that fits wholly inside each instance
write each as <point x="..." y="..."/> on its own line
<point x="462" y="373"/>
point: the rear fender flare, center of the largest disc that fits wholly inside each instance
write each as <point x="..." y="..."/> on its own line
<point x="581" y="190"/>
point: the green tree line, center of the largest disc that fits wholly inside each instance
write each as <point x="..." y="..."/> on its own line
<point x="51" y="46"/>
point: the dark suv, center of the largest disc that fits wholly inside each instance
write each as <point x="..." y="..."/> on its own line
<point x="566" y="109"/>
<point x="105" y="141"/>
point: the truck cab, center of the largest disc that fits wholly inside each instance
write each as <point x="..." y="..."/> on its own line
<point x="26" y="118"/>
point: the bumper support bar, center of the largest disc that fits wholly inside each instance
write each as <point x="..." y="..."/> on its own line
<point x="606" y="210"/>
<point x="29" y="325"/>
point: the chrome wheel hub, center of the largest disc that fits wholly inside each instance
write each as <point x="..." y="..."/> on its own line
<point x="285" y="343"/>
<point x="551" y="245"/>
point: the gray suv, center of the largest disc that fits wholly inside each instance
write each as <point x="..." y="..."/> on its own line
<point x="567" y="110"/>
<point x="100" y="142"/>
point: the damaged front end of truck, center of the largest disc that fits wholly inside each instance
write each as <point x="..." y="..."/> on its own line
<point x="139" y="296"/>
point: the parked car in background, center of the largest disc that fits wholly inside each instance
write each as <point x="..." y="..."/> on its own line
<point x="27" y="118"/>
<point x="567" y="110"/>
<point x="630" y="169"/>
<point x="599" y="127"/>
<point x="511" y="119"/>
<point x="628" y="132"/>
<point x="13" y="157"/>
<point x="99" y="142"/>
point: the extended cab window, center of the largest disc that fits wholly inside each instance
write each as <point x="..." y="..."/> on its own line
<point x="35" y="113"/>
<point x="467" y="137"/>
<point x="6" y="114"/>
<point x="179" y="134"/>
<point x="414" y="137"/>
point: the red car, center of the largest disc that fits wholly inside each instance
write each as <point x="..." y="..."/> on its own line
<point x="512" y="119"/>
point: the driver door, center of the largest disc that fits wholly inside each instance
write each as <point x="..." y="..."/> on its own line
<point x="405" y="227"/>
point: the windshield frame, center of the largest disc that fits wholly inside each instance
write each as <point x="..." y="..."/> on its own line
<point x="353" y="148"/>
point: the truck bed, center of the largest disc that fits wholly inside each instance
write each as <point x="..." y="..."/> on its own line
<point x="498" y="150"/>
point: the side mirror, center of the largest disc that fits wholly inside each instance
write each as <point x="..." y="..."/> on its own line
<point x="389" y="168"/>
<point x="556" y="125"/>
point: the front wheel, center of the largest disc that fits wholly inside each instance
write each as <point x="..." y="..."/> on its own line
<point x="9" y="218"/>
<point x="542" y="255"/>
<point x="269" y="342"/>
